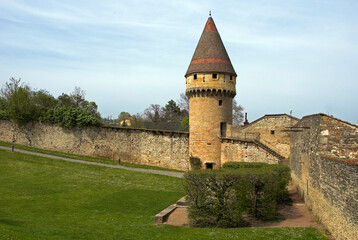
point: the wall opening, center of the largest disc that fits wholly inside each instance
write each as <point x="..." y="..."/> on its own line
<point x="209" y="165"/>
<point x="215" y="75"/>
<point x="272" y="132"/>
<point x="223" y="129"/>
<point x="195" y="76"/>
<point x="220" y="102"/>
<point x="231" y="77"/>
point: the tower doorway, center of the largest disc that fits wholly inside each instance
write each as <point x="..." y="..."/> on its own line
<point x="209" y="165"/>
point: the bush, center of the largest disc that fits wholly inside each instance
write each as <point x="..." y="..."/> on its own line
<point x="282" y="179"/>
<point x="217" y="198"/>
<point x="236" y="165"/>
<point x="212" y="198"/>
<point x="195" y="163"/>
<point x="70" y="116"/>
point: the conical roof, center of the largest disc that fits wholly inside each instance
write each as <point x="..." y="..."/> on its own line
<point x="210" y="54"/>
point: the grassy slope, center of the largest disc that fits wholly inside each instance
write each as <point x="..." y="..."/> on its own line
<point x="82" y="157"/>
<point x="42" y="198"/>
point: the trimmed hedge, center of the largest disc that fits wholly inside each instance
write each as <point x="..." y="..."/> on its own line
<point x="283" y="178"/>
<point x="217" y="198"/>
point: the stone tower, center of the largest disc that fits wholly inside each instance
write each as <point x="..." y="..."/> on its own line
<point x="210" y="87"/>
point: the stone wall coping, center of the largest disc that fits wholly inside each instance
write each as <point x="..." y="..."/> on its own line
<point x="346" y="160"/>
<point x="123" y="128"/>
<point x="325" y="115"/>
<point x="236" y="139"/>
<point x="271" y="116"/>
<point x="146" y="130"/>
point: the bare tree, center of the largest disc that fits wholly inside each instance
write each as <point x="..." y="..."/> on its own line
<point x="78" y="96"/>
<point x="183" y="102"/>
<point x="153" y="113"/>
<point x="237" y="113"/>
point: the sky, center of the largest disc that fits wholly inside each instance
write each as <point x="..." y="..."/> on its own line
<point x="300" y="55"/>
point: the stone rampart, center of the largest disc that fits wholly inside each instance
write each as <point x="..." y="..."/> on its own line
<point x="272" y="130"/>
<point x="233" y="150"/>
<point x="325" y="172"/>
<point x="151" y="147"/>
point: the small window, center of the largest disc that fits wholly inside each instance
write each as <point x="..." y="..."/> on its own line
<point x="220" y="102"/>
<point x="209" y="165"/>
<point x="272" y="132"/>
<point x="215" y="75"/>
<point x="231" y="77"/>
<point x="195" y="76"/>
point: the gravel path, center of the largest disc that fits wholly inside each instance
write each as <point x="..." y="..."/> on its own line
<point x="160" y="172"/>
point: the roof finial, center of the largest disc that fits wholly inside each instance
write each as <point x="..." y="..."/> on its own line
<point x="210" y="13"/>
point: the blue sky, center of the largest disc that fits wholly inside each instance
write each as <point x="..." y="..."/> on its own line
<point x="299" y="55"/>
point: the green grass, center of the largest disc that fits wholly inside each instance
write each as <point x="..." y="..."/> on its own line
<point x="84" y="158"/>
<point x="42" y="198"/>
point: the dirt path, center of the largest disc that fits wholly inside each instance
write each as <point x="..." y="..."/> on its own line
<point x="160" y="172"/>
<point x="296" y="215"/>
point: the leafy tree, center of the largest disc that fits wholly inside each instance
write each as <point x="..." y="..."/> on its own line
<point x="65" y="100"/>
<point x="3" y="113"/>
<point x="171" y="112"/>
<point x="44" y="101"/>
<point x="123" y="114"/>
<point x="20" y="106"/>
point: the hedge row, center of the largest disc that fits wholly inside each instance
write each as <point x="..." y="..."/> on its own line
<point x="217" y="198"/>
<point x="283" y="171"/>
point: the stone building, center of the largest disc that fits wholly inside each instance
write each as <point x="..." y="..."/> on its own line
<point x="272" y="130"/>
<point x="210" y="87"/>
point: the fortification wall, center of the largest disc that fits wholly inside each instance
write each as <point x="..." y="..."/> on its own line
<point x="323" y="173"/>
<point x="272" y="132"/>
<point x="244" y="151"/>
<point x="156" y="148"/>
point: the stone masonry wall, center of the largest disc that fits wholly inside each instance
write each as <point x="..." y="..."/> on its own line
<point x="325" y="173"/>
<point x="242" y="151"/>
<point x="205" y="117"/>
<point x="279" y="139"/>
<point x="156" y="148"/>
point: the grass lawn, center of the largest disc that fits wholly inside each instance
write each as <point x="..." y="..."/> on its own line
<point x="84" y="158"/>
<point x="42" y="198"/>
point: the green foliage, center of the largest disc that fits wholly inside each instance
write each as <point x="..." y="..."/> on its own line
<point x="185" y="121"/>
<point x="237" y="165"/>
<point x="70" y="116"/>
<point x="195" y="163"/>
<point x="21" y="104"/>
<point x="213" y="199"/>
<point x="3" y="113"/>
<point x="283" y="174"/>
<point x="217" y="198"/>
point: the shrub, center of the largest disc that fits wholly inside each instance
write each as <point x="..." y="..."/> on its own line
<point x="213" y="201"/>
<point x="282" y="179"/>
<point x="217" y="198"/>
<point x="236" y="165"/>
<point x="195" y="163"/>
